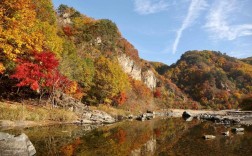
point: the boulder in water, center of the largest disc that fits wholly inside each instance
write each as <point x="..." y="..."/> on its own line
<point x="226" y="133"/>
<point x="238" y="129"/>
<point x="189" y="119"/>
<point x="208" y="137"/>
<point x="186" y="114"/>
<point x="19" y="145"/>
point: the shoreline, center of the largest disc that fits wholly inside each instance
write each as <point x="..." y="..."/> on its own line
<point x="8" y="124"/>
<point x="231" y="116"/>
<point x="244" y="118"/>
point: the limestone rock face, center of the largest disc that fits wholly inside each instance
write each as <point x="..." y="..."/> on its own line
<point x="66" y="19"/>
<point x="130" y="67"/>
<point x="16" y="146"/>
<point x="149" y="79"/>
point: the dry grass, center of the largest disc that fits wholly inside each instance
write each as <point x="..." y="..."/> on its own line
<point x="18" y="111"/>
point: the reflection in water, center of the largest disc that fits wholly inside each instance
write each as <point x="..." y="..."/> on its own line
<point x="147" y="149"/>
<point x="135" y="138"/>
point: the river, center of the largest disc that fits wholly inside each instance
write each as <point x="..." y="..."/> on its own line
<point x="170" y="136"/>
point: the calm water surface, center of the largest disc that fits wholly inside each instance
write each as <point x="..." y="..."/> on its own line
<point x="156" y="137"/>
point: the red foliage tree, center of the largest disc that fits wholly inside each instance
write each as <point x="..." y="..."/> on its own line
<point x="39" y="72"/>
<point x="157" y="93"/>
<point x="157" y="131"/>
<point x="68" y="30"/>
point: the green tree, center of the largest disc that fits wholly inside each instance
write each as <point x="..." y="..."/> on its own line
<point x="76" y="68"/>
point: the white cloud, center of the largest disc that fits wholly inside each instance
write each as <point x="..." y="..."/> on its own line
<point x="145" y="7"/>
<point x="218" y="21"/>
<point x="193" y="12"/>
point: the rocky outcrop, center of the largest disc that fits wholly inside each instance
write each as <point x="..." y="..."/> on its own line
<point x="86" y="116"/>
<point x="130" y="67"/>
<point x="96" y="117"/>
<point x="16" y="146"/>
<point x="69" y="103"/>
<point x="65" y="19"/>
<point x="149" y="79"/>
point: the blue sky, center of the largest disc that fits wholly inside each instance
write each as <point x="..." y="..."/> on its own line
<point x="162" y="30"/>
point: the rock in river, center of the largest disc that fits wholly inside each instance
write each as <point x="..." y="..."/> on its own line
<point x="207" y="137"/>
<point x="238" y="129"/>
<point x="16" y="146"/>
<point x="189" y="119"/>
<point x="100" y="116"/>
<point x="226" y="133"/>
<point x="186" y="114"/>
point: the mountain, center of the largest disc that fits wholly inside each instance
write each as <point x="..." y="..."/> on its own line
<point x="45" y="52"/>
<point x="247" y="60"/>
<point x="101" y="38"/>
<point x="212" y="78"/>
<point x="65" y="51"/>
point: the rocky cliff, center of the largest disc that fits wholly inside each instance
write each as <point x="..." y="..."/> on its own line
<point x="149" y="78"/>
<point x="130" y="67"/>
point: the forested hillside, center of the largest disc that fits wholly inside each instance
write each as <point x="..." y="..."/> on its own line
<point x="212" y="78"/>
<point x="45" y="51"/>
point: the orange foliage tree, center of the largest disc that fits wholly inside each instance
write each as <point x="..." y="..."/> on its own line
<point x="141" y="89"/>
<point x="121" y="136"/>
<point x="120" y="99"/>
<point x="17" y="31"/>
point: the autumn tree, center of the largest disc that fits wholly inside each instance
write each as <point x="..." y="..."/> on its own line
<point x="141" y="90"/>
<point x="157" y="93"/>
<point x="2" y="68"/>
<point x="44" y="11"/>
<point x="120" y="99"/>
<point x="109" y="80"/>
<point x="246" y="102"/>
<point x="25" y="26"/>
<point x="17" y="32"/>
<point x="46" y="23"/>
<point x="76" y="68"/>
<point x="39" y="72"/>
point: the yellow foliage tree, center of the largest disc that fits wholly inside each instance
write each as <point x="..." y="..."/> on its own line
<point x="17" y="32"/>
<point x="72" y="88"/>
<point x="2" y="68"/>
<point x="109" y="80"/>
<point x="46" y="23"/>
